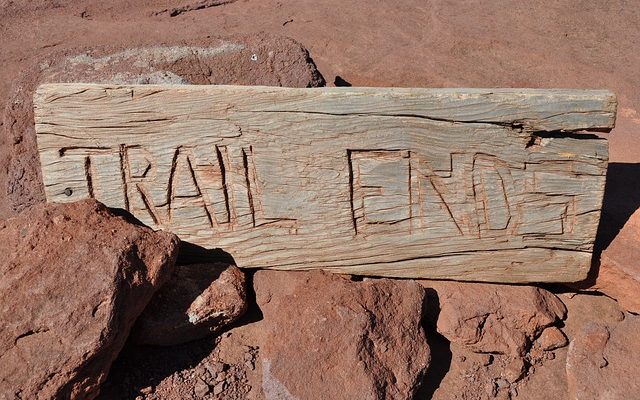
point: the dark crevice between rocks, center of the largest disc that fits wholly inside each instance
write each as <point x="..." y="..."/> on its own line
<point x="440" y="363"/>
<point x="339" y="82"/>
<point x="193" y="254"/>
<point x="253" y="313"/>
<point x="439" y="348"/>
<point x="141" y="366"/>
<point x="138" y="367"/>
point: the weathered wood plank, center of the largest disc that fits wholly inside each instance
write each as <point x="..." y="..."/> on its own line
<point x="468" y="184"/>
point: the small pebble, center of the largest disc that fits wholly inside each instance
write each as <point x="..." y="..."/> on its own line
<point x="219" y="388"/>
<point x="147" y="390"/>
<point x="486" y="359"/>
<point x="201" y="388"/>
<point x="502" y="383"/>
<point x="552" y="338"/>
<point x="514" y="370"/>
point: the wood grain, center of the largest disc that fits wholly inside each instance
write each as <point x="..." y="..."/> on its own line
<point x="466" y="184"/>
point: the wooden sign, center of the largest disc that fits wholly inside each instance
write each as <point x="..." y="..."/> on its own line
<point x="467" y="184"/>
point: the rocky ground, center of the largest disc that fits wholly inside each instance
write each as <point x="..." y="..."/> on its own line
<point x="93" y="304"/>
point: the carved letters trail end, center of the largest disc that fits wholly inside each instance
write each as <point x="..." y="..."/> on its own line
<point x="468" y="184"/>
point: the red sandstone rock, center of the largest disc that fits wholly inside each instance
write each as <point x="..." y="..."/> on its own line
<point x="547" y="379"/>
<point x="475" y="376"/>
<point x="221" y="368"/>
<point x="326" y="337"/>
<point x="577" y="370"/>
<point x="74" y="279"/>
<point x="318" y="336"/>
<point x="604" y="362"/>
<point x="585" y="309"/>
<point x="549" y="374"/>
<point x="619" y="272"/>
<point x="198" y="300"/>
<point x="242" y="60"/>
<point x="552" y="338"/>
<point x="490" y="318"/>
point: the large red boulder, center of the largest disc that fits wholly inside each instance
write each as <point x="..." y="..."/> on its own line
<point x="327" y="337"/>
<point x="491" y="318"/>
<point x="74" y="279"/>
<point x="315" y="336"/>
<point x="619" y="272"/>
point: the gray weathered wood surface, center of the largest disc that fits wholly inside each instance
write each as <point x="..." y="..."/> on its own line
<point x="468" y="184"/>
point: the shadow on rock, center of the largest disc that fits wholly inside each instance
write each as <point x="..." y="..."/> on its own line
<point x="621" y="199"/>
<point x="440" y="363"/>
<point x="141" y="367"/>
<point x="198" y="300"/>
<point x="193" y="254"/>
<point x="438" y="345"/>
<point x="180" y="329"/>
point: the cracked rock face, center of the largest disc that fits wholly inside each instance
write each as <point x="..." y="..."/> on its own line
<point x="241" y="60"/>
<point x="326" y="337"/>
<point x="198" y="300"/>
<point x="74" y="279"/>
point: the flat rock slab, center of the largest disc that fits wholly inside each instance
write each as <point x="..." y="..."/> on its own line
<point x="469" y="184"/>
<point x="365" y="338"/>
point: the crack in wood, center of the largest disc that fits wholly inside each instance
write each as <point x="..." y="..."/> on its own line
<point x="87" y="172"/>
<point x="515" y="125"/>
<point x="223" y="177"/>
<point x="122" y="153"/>
<point x="252" y="208"/>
